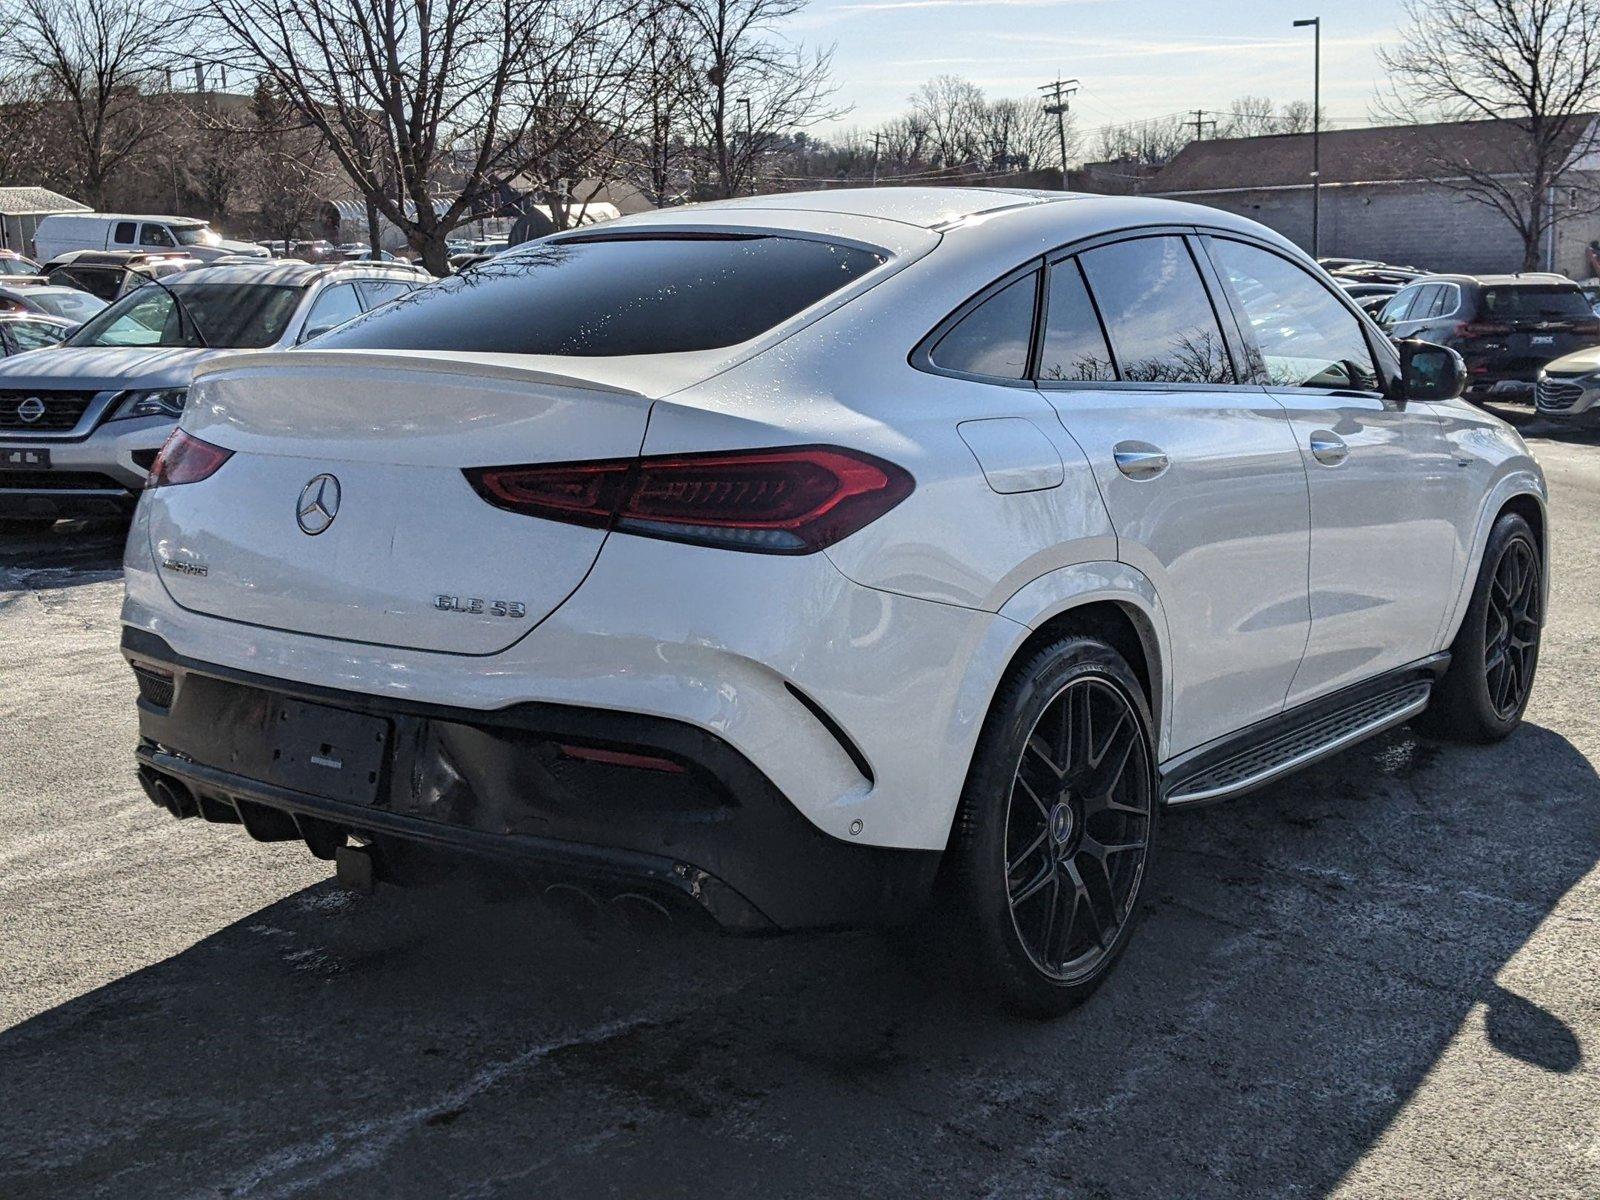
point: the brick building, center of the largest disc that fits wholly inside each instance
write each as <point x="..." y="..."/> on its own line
<point x="1379" y="199"/>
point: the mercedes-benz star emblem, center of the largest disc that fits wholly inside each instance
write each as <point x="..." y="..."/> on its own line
<point x="319" y="505"/>
<point x="31" y="409"/>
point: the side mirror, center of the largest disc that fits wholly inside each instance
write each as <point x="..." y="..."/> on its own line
<point x="1429" y="372"/>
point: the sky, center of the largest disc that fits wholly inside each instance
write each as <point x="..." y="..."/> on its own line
<point x="1135" y="58"/>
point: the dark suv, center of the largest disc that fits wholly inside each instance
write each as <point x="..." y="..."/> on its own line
<point x="1506" y="327"/>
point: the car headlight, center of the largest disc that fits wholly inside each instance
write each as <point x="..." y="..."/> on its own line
<point x="164" y="402"/>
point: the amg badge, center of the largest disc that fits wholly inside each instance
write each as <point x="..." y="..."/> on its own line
<point x="476" y="606"/>
<point x="181" y="567"/>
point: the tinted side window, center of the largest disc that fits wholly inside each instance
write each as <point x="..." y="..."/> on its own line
<point x="1157" y="312"/>
<point x="1302" y="335"/>
<point x="31" y="336"/>
<point x="993" y="338"/>
<point x="1397" y="308"/>
<point x="1074" y="344"/>
<point x="124" y="233"/>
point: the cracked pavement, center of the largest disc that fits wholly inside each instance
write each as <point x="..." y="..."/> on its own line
<point x="1377" y="979"/>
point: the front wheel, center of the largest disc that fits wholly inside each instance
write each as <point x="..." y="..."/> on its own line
<point x="1496" y="652"/>
<point x="1056" y="826"/>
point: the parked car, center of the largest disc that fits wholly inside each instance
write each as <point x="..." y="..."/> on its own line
<point x="1568" y="388"/>
<point x="1332" y="265"/>
<point x="13" y="264"/>
<point x="80" y="427"/>
<point x="1591" y="292"/>
<point x="1506" y="327"/>
<point x="1400" y="276"/>
<point x="70" y="304"/>
<point x="796" y="560"/>
<point x="111" y="274"/>
<point x="64" y="232"/>
<point x="21" y="331"/>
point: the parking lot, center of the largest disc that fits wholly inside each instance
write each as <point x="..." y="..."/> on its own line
<point x="1376" y="979"/>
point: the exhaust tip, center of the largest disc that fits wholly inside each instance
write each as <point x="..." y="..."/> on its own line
<point x="170" y="794"/>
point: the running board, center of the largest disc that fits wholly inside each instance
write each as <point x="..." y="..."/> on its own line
<point x="1283" y="745"/>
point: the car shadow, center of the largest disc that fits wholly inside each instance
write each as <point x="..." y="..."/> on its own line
<point x="68" y="554"/>
<point x="1307" y="956"/>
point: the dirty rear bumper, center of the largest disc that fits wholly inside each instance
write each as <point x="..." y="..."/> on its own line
<point x="611" y="802"/>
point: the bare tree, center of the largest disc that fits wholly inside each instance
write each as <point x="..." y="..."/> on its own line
<point x="430" y="106"/>
<point x="952" y="110"/>
<point x="93" y="62"/>
<point x="1298" y="117"/>
<point x="1534" y="64"/>
<point x="752" y="86"/>
<point x="1249" y="116"/>
<point x="286" y="168"/>
<point x="1019" y="134"/>
<point x="657" y="162"/>
<point x="1152" y="142"/>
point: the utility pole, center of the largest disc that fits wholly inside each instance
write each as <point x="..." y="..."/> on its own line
<point x="749" y="143"/>
<point x="1058" y="94"/>
<point x="1316" y="132"/>
<point x="1200" y="124"/>
<point x="877" y="139"/>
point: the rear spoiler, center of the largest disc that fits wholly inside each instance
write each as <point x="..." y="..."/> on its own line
<point x="279" y="362"/>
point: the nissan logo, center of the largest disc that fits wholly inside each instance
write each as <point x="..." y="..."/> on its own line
<point x="319" y="505"/>
<point x="31" y="409"/>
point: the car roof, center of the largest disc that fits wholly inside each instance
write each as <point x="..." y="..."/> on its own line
<point x="1532" y="278"/>
<point x="295" y="273"/>
<point x="112" y="258"/>
<point x="26" y="288"/>
<point x="37" y="318"/>
<point x="137" y="217"/>
<point x="925" y="207"/>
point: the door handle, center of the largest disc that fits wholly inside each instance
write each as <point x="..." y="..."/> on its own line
<point x="1329" y="449"/>
<point x="1139" y="460"/>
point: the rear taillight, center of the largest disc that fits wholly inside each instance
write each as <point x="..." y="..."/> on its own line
<point x="1467" y="330"/>
<point x="793" y="500"/>
<point x="185" y="459"/>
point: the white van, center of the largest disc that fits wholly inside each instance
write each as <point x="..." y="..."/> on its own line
<point x="117" y="231"/>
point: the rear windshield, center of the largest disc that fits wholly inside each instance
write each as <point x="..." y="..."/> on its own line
<point x="1535" y="301"/>
<point x="616" y="295"/>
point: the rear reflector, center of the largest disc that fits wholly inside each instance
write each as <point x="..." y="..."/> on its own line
<point x="793" y="500"/>
<point x="622" y="758"/>
<point x="185" y="459"/>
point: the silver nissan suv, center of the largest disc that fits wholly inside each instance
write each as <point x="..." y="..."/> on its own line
<point x="81" y="423"/>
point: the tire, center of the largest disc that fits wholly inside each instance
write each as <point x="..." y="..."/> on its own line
<point x="1051" y="809"/>
<point x="1482" y="695"/>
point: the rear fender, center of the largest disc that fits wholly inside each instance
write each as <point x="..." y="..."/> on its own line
<point x="1080" y="584"/>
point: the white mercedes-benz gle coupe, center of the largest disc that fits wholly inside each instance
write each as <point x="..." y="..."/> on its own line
<point x="828" y="559"/>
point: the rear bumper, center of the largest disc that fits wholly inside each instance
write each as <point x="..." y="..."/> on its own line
<point x="538" y="785"/>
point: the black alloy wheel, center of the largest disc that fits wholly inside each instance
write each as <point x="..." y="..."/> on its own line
<point x="1078" y="829"/>
<point x="1511" y="634"/>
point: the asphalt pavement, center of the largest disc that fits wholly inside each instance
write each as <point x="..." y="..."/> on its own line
<point x="1378" y="979"/>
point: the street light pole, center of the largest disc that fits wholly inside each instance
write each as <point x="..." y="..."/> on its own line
<point x="1316" y="132"/>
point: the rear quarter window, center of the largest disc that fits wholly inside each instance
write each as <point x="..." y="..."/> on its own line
<point x="603" y="296"/>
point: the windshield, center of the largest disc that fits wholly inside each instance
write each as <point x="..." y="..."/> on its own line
<point x="196" y="235"/>
<point x="237" y="315"/>
<point x="73" y="305"/>
<point x="17" y="266"/>
<point x="615" y="295"/>
<point x="1533" y="303"/>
